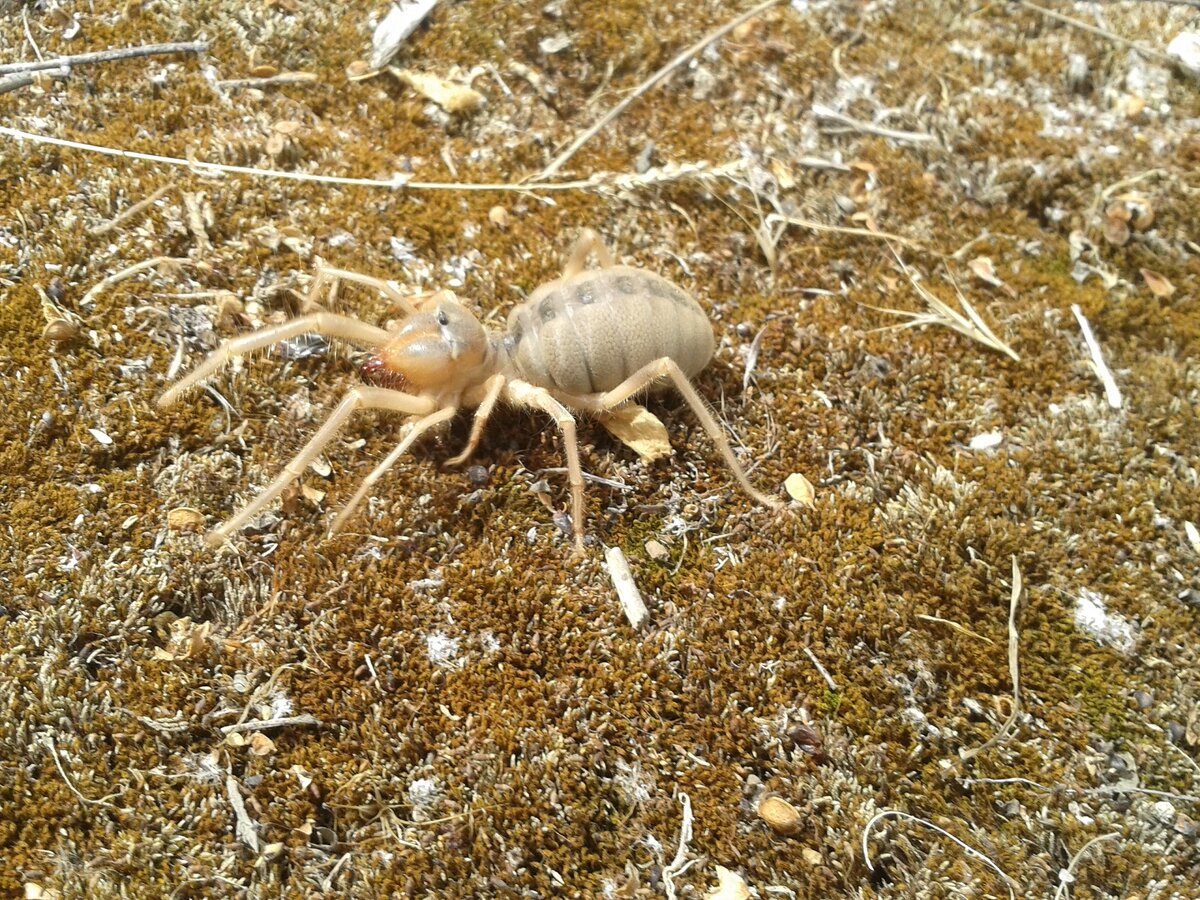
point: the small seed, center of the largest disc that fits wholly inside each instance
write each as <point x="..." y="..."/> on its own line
<point x="60" y="331"/>
<point x="498" y="216"/>
<point x="780" y="815"/>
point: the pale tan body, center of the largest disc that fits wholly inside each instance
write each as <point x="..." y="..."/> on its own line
<point x="588" y="341"/>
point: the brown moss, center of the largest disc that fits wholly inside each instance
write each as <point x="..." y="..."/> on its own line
<point x="560" y="741"/>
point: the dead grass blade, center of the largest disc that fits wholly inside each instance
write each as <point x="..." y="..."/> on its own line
<point x="968" y="323"/>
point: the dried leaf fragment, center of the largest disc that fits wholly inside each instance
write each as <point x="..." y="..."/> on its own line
<point x="187" y="639"/>
<point x="730" y="886"/>
<point x="1116" y="224"/>
<point x="626" y="587"/>
<point x="985" y="271"/>
<point x="639" y="430"/>
<point x="808" y="740"/>
<point x="452" y="96"/>
<point x="185" y="518"/>
<point x="62" y="325"/>
<point x="261" y="745"/>
<point x="1185" y="50"/>
<point x="1158" y="284"/>
<point x="780" y="815"/>
<point x="401" y="21"/>
<point x="800" y="489"/>
<point x="499" y="217"/>
<point x="1141" y="210"/>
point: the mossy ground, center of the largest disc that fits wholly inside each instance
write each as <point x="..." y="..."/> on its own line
<point x="551" y="755"/>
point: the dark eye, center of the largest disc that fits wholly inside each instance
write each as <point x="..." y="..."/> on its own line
<point x="442" y="318"/>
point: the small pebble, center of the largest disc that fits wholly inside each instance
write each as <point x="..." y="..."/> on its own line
<point x="656" y="551"/>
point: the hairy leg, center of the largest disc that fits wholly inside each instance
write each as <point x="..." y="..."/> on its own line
<point x="493" y="386"/>
<point x="326" y="324"/>
<point x="412" y="431"/>
<point x="587" y="243"/>
<point x="356" y="398"/>
<point x="667" y="368"/>
<point x="522" y="393"/>
<point x="329" y="278"/>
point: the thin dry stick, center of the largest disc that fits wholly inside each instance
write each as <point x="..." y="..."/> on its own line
<point x="956" y="626"/>
<point x="1014" y="667"/>
<point x="105" y="283"/>
<point x="970" y="851"/>
<point x="67" y="778"/>
<point x="399" y="182"/>
<point x="680" y="863"/>
<point x="100" y="56"/>
<point x="130" y="211"/>
<point x="650" y="83"/>
<point x="245" y="830"/>
<point x="1086" y="792"/>
<point x="627" y="589"/>
<point x="1100" y="32"/>
<point x="1112" y="393"/>
<point x="832" y="115"/>
<point x="24" y="79"/>
<point x="265" y="724"/>
<point x="269" y="80"/>
<point x="1067" y="876"/>
<point x="812" y="657"/>
<point x="813" y="225"/>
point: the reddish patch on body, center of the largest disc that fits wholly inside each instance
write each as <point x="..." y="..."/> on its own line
<point x="376" y="372"/>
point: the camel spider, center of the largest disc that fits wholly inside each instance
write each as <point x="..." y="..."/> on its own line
<point x="588" y="341"/>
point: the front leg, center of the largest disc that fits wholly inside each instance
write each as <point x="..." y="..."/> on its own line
<point x="492" y="388"/>
<point x="356" y="398"/>
<point x="522" y="393"/>
<point x="326" y="324"/>
<point x="327" y="278"/>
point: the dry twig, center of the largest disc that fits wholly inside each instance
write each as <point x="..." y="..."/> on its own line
<point x="813" y="225"/>
<point x="245" y="829"/>
<point x="100" y="56"/>
<point x="24" y="79"/>
<point x="271" y="80"/>
<point x="956" y="626"/>
<point x="627" y="589"/>
<point x="650" y="82"/>
<point x="105" y="283"/>
<point x="680" y="863"/>
<point x="829" y="114"/>
<point x="600" y="181"/>
<point x="939" y="312"/>
<point x="129" y="212"/>
<point x="1066" y="877"/>
<point x="1112" y="393"/>
<point x="264" y="724"/>
<point x="1148" y="52"/>
<point x="1014" y="667"/>
<point x="812" y="657"/>
<point x="58" y="764"/>
<point x="970" y="851"/>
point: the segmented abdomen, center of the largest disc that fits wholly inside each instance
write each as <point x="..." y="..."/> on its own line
<point x="589" y="333"/>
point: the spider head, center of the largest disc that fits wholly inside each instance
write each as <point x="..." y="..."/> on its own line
<point x="440" y="346"/>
